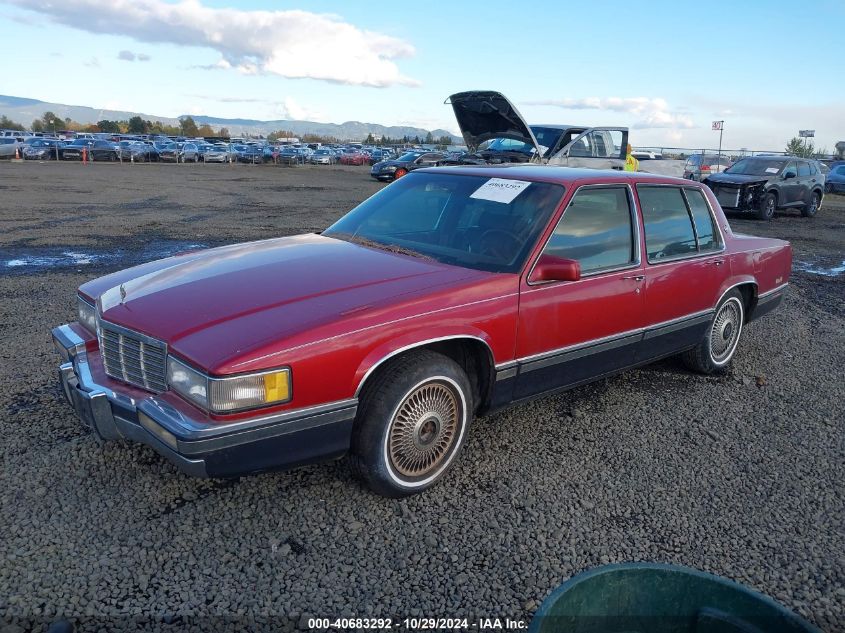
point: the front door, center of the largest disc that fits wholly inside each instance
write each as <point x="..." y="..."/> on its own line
<point x="572" y="331"/>
<point x="596" y="148"/>
<point x="790" y="186"/>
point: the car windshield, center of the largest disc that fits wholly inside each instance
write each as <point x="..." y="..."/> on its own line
<point x="409" y="157"/>
<point x="471" y="221"/>
<point x="507" y="145"/>
<point x="757" y="167"/>
<point x="547" y="137"/>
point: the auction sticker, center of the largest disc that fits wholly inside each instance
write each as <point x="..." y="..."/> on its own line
<point x="500" y="190"/>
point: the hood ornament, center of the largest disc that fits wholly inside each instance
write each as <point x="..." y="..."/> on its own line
<point x="122" y="293"/>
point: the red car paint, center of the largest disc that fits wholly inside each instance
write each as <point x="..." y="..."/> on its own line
<point x="356" y="158"/>
<point x="332" y="310"/>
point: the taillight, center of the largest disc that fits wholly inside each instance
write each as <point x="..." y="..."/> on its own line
<point x="705" y="168"/>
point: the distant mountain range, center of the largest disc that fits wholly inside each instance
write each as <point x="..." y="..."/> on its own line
<point x="24" y="111"/>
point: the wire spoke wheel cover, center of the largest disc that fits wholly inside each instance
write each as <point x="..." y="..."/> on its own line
<point x="725" y="331"/>
<point x="425" y="429"/>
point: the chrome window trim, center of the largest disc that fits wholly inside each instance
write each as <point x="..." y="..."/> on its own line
<point x="635" y="237"/>
<point x="712" y="218"/>
<point x="699" y="254"/>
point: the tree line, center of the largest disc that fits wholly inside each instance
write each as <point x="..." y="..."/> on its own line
<point x="49" y="122"/>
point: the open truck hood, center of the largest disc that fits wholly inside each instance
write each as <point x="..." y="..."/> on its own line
<point x="486" y="114"/>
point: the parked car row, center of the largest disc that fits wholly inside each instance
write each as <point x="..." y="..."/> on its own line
<point x="189" y="151"/>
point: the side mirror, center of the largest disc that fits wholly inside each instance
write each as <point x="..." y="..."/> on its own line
<point x="788" y="175"/>
<point x="551" y="268"/>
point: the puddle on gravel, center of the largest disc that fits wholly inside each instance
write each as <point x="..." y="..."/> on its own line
<point x="27" y="261"/>
<point x="817" y="268"/>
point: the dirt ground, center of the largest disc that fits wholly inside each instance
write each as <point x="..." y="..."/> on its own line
<point x="740" y="475"/>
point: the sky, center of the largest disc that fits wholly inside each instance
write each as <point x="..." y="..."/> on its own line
<point x="666" y="70"/>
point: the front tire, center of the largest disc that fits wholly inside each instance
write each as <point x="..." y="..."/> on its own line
<point x="809" y="209"/>
<point x="714" y="353"/>
<point x="768" y="204"/>
<point x="412" y="422"/>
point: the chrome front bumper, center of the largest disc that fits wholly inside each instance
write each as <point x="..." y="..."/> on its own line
<point x="198" y="446"/>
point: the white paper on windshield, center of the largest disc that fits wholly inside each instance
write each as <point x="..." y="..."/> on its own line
<point x="500" y="190"/>
<point x="771" y="170"/>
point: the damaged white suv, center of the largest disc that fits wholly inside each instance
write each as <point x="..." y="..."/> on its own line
<point x="495" y="132"/>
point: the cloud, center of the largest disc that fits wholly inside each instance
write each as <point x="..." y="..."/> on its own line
<point x="293" y="111"/>
<point x="129" y="56"/>
<point x="92" y="63"/>
<point x="293" y="44"/>
<point x="652" y="112"/>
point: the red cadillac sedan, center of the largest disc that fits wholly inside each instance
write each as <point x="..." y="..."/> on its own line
<point x="449" y="293"/>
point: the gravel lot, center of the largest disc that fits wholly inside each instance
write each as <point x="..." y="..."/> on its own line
<point x="740" y="475"/>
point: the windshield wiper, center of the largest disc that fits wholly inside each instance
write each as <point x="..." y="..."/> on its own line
<point x="391" y="248"/>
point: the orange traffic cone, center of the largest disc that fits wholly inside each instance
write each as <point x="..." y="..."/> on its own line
<point x="84" y="155"/>
<point x="17" y="153"/>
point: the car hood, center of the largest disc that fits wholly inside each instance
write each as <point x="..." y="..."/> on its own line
<point x="486" y="114"/>
<point x="214" y="305"/>
<point x="736" y="179"/>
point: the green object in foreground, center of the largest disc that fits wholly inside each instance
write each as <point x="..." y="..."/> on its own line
<point x="653" y="598"/>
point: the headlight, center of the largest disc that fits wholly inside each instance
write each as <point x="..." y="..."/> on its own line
<point x="225" y="395"/>
<point x="86" y="314"/>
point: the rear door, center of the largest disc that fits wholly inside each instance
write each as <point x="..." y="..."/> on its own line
<point x="572" y="331"/>
<point x="595" y="148"/>
<point x="684" y="267"/>
<point x="806" y="180"/>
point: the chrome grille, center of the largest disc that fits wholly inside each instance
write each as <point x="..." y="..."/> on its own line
<point x="133" y="357"/>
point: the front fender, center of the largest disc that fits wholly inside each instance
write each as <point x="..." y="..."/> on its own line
<point x="387" y="350"/>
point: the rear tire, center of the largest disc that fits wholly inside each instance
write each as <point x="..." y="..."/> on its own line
<point x="411" y="424"/>
<point x="714" y="353"/>
<point x="767" y="206"/>
<point x="810" y="209"/>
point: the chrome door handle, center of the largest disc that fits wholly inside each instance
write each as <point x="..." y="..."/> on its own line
<point x="635" y="277"/>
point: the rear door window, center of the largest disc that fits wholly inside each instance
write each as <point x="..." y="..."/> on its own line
<point x="668" y="227"/>
<point x="803" y="169"/>
<point x="705" y="226"/>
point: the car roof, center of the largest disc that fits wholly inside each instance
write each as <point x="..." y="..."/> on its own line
<point x="558" y="126"/>
<point x="561" y="175"/>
